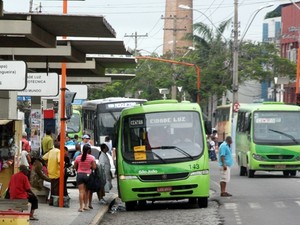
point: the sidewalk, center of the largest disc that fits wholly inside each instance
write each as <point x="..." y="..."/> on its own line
<point x="50" y="215"/>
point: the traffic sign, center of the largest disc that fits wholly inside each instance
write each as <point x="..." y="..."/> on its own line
<point x="13" y="75"/>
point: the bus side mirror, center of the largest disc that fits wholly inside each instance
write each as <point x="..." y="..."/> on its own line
<point x="208" y="127"/>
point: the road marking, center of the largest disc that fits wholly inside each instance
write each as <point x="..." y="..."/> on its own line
<point x="230" y="206"/>
<point x="298" y="202"/>
<point x="279" y="204"/>
<point x="254" y="205"/>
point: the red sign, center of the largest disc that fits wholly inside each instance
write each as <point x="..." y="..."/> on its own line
<point x="236" y="107"/>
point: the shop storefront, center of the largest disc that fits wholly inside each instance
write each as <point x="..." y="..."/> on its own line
<point x="10" y="147"/>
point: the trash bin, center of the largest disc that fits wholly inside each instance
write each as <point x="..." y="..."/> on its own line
<point x="13" y="217"/>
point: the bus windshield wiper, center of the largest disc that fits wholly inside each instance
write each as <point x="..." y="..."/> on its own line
<point x="160" y="158"/>
<point x="178" y="149"/>
<point x="285" y="134"/>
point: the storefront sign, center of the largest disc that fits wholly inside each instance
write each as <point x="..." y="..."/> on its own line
<point x="13" y="75"/>
<point x="41" y="84"/>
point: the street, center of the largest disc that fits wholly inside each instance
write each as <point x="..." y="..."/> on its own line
<point x="268" y="198"/>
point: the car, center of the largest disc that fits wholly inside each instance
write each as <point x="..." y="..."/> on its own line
<point x="96" y="153"/>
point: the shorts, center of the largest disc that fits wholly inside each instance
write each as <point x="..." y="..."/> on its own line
<point x="225" y="175"/>
<point x="82" y="178"/>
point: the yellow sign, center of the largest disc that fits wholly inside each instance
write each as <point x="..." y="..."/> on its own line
<point x="140" y="152"/>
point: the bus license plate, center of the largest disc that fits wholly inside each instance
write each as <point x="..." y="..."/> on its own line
<point x="164" y="189"/>
<point x="279" y="167"/>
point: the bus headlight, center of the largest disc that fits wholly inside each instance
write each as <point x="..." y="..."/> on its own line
<point x="200" y="172"/>
<point x="123" y="177"/>
<point x="258" y="157"/>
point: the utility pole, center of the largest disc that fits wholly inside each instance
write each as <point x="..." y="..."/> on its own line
<point x="136" y="36"/>
<point x="235" y="79"/>
<point x="174" y="29"/>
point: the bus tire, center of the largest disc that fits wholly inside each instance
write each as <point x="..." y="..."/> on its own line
<point x="243" y="171"/>
<point x="192" y="201"/>
<point x="250" y="173"/>
<point x="286" y="173"/>
<point x="130" y="206"/>
<point x="293" y="173"/>
<point x="203" y="202"/>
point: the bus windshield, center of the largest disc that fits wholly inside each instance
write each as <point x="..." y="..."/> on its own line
<point x="280" y="128"/>
<point x="74" y="125"/>
<point x="162" y="137"/>
<point x="106" y="122"/>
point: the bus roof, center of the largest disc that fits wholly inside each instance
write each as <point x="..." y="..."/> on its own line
<point x="162" y="105"/>
<point x="266" y="106"/>
<point x="95" y="102"/>
<point x="112" y="99"/>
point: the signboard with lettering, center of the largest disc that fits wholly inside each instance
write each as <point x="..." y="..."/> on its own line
<point x="41" y="84"/>
<point x="13" y="75"/>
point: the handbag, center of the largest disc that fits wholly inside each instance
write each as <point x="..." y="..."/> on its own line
<point x="94" y="181"/>
<point x="71" y="172"/>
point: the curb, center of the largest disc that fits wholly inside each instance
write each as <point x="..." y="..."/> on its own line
<point x="104" y="210"/>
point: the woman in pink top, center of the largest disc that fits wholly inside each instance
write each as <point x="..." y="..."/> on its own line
<point x="84" y="164"/>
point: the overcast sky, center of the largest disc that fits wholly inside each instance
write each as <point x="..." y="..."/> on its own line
<point x="144" y="16"/>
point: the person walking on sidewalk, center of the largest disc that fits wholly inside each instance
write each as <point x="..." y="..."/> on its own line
<point x="225" y="162"/>
<point x="84" y="164"/>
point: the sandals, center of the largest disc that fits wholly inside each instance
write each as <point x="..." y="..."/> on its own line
<point x="33" y="218"/>
<point x="91" y="207"/>
<point x="226" y="194"/>
<point x="80" y="210"/>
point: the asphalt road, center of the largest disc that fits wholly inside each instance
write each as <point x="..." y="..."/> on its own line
<point x="266" y="199"/>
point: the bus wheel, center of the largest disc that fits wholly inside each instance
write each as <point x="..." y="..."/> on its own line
<point x="293" y="173"/>
<point x="286" y="173"/>
<point x="130" y="206"/>
<point x="243" y="171"/>
<point x="203" y="202"/>
<point x="192" y="201"/>
<point x="250" y="173"/>
<point x="142" y="203"/>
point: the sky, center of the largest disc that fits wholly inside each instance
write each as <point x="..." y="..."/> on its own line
<point x="144" y="16"/>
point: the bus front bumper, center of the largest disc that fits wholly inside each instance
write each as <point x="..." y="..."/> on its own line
<point x="193" y="186"/>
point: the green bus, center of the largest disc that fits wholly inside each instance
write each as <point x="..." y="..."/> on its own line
<point x="74" y="125"/>
<point x="162" y="153"/>
<point x="268" y="138"/>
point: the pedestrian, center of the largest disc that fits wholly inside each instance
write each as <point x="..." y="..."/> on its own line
<point x="47" y="142"/>
<point x="75" y="138"/>
<point x="86" y="140"/>
<point x="84" y="164"/>
<point x="67" y="165"/>
<point x="19" y="188"/>
<point x="53" y="165"/>
<point x="225" y="163"/>
<point x="77" y="151"/>
<point x="38" y="177"/>
<point x="108" y="142"/>
<point x="105" y="164"/>
<point x="25" y="156"/>
<point x="212" y="149"/>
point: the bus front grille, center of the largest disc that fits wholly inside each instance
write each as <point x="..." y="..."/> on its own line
<point x="164" y="177"/>
<point x="280" y="157"/>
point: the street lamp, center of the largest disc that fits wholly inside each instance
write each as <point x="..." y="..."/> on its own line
<point x="236" y="44"/>
<point x="212" y="23"/>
